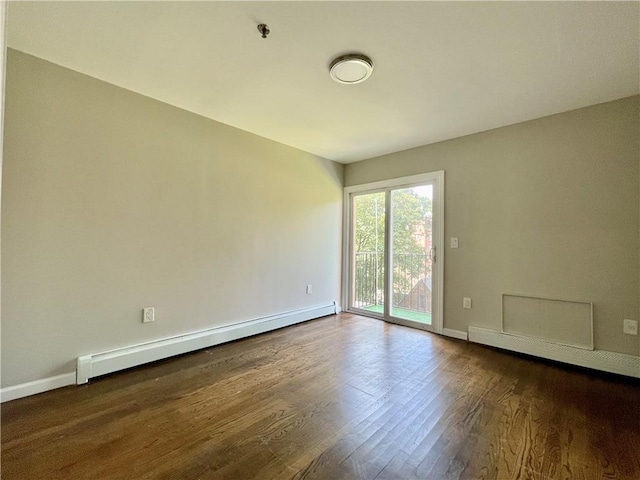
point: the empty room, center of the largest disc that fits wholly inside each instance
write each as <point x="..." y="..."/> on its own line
<point x="320" y="240"/>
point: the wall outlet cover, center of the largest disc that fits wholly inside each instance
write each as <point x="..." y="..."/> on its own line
<point x="148" y="315"/>
<point x="630" y="327"/>
<point x="466" y="302"/>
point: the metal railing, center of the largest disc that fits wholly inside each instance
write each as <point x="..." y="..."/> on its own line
<point x="411" y="281"/>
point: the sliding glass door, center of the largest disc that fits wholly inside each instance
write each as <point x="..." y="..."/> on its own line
<point x="394" y="232"/>
<point x="411" y="253"/>
<point x="369" y="238"/>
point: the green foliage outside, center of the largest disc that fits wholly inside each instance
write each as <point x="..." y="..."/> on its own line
<point x="410" y="219"/>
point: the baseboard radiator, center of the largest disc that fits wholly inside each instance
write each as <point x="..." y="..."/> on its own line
<point x="605" y="361"/>
<point x="560" y="330"/>
<point x="97" y="364"/>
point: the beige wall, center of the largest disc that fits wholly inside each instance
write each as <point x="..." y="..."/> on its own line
<point x="547" y="208"/>
<point x="113" y="201"/>
<point x="3" y="63"/>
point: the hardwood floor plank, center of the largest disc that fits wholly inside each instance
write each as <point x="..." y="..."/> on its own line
<point x="343" y="397"/>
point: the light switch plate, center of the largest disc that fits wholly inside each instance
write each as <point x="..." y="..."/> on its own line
<point x="454" y="242"/>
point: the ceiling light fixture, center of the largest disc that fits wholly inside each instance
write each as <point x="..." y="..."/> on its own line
<point x="350" y="69"/>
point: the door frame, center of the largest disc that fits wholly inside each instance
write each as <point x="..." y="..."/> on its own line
<point x="437" y="178"/>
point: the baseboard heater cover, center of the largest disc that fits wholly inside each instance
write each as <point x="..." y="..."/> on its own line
<point x="603" y="360"/>
<point x="94" y="365"/>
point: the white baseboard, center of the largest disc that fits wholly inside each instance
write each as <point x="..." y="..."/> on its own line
<point x="603" y="360"/>
<point x="454" y="333"/>
<point x="99" y="364"/>
<point x="37" y="386"/>
<point x="96" y="364"/>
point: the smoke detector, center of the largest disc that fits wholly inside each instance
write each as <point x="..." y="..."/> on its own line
<point x="350" y="69"/>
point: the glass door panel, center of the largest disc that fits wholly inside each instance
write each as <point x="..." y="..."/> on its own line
<point x="368" y="260"/>
<point x="391" y="269"/>
<point x="411" y="254"/>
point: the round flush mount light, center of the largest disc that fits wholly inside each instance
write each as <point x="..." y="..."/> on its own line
<point x="350" y="69"/>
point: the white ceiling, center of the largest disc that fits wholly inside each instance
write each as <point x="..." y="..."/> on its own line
<point x="442" y="70"/>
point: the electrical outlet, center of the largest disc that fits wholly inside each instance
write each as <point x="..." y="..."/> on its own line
<point x="309" y="289"/>
<point x="148" y="315"/>
<point x="466" y="302"/>
<point x="630" y="327"/>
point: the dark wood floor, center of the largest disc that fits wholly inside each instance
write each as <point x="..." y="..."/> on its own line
<point x="342" y="397"/>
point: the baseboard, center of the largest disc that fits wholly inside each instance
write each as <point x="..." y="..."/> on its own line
<point x="612" y="362"/>
<point x="454" y="333"/>
<point x="37" y="386"/>
<point x="96" y="364"/>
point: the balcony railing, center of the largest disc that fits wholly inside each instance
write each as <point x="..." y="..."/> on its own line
<point x="411" y="289"/>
